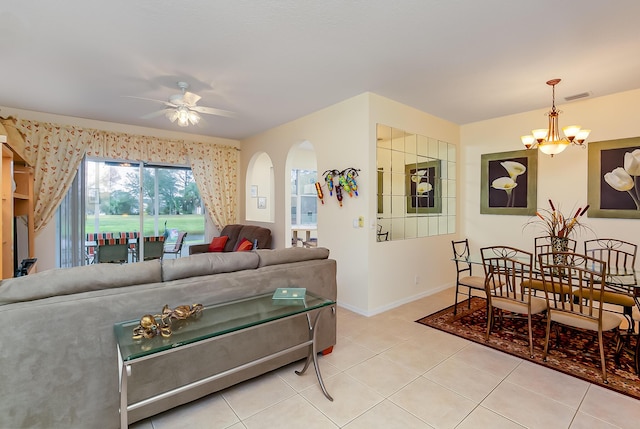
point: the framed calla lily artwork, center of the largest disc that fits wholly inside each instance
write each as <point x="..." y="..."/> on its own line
<point x="508" y="183"/>
<point x="614" y="178"/>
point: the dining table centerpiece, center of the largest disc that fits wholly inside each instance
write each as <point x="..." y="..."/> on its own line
<point x="558" y="226"/>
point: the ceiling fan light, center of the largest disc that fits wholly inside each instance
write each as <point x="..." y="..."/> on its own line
<point x="194" y="117"/>
<point x="172" y="115"/>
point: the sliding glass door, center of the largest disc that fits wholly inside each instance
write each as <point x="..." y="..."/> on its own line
<point x="128" y="199"/>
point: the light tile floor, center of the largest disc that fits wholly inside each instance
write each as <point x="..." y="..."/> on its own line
<point x="387" y="372"/>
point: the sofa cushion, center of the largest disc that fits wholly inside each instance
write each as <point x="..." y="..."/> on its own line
<point x="217" y="244"/>
<point x="204" y="264"/>
<point x="243" y="245"/>
<point x="291" y="254"/>
<point x="84" y="279"/>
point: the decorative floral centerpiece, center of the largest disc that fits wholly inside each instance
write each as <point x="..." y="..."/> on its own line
<point x="555" y="224"/>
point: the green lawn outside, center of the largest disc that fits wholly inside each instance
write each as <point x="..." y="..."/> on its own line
<point x="192" y="224"/>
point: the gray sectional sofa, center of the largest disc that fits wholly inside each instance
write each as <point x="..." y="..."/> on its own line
<point x="58" y="359"/>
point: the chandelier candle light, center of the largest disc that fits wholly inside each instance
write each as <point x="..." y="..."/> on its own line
<point x="548" y="140"/>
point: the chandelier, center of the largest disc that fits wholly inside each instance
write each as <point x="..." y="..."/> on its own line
<point x="548" y="140"/>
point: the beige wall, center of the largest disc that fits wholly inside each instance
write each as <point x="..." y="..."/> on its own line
<point x="562" y="178"/>
<point x="372" y="276"/>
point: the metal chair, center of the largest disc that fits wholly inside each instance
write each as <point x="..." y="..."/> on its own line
<point x="586" y="277"/>
<point x="620" y="257"/>
<point x="542" y="245"/>
<point x="176" y="248"/>
<point x="506" y="268"/>
<point x="112" y="250"/>
<point x="464" y="274"/>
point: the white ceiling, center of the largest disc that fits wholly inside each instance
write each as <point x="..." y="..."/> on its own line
<point x="272" y="61"/>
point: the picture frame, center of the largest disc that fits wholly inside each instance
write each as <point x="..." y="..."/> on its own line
<point x="254" y="191"/>
<point x="498" y="174"/>
<point x="607" y="193"/>
<point x="423" y="187"/>
<point x="262" y="202"/>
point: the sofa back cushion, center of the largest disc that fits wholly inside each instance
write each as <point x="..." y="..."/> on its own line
<point x="236" y="232"/>
<point x="291" y="254"/>
<point x="68" y="281"/>
<point x="204" y="264"/>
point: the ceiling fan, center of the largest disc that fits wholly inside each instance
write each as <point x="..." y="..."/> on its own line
<point x="183" y="108"/>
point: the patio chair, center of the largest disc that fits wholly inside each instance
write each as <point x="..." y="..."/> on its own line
<point x="176" y="248"/>
<point x="153" y="247"/>
<point x="112" y="250"/>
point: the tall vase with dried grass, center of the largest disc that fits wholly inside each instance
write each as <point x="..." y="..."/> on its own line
<point x="558" y="226"/>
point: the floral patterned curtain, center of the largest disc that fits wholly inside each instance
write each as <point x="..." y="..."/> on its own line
<point x="215" y="169"/>
<point x="56" y="152"/>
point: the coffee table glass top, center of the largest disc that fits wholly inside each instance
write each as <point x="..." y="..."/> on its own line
<point x="215" y="320"/>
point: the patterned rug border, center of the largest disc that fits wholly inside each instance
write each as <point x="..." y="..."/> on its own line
<point x="621" y="379"/>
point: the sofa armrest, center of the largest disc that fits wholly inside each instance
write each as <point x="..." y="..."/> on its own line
<point x="198" y="248"/>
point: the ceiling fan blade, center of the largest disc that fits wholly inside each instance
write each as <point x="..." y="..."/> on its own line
<point x="156" y="114"/>
<point x="190" y="99"/>
<point x="213" y="111"/>
<point x="166" y="103"/>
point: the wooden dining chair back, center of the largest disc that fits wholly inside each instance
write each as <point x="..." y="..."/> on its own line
<point x="112" y="250"/>
<point x="176" y="248"/>
<point x="464" y="273"/>
<point x="585" y="276"/>
<point x="620" y="257"/>
<point x="506" y="270"/>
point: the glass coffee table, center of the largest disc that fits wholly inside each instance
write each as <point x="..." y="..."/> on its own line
<point x="213" y="322"/>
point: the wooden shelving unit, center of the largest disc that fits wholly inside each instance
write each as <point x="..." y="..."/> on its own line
<point x="17" y="198"/>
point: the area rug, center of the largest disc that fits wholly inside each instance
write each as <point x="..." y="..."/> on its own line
<point x="577" y="354"/>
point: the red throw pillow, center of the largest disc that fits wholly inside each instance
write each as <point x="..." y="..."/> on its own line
<point x="244" y="245"/>
<point x="217" y="244"/>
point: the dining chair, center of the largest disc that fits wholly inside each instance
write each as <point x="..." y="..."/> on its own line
<point x="543" y="245"/>
<point x="620" y="257"/>
<point x="464" y="273"/>
<point x="506" y="269"/>
<point x="586" y="277"/>
<point x="176" y="248"/>
<point x="153" y="247"/>
<point x="112" y="250"/>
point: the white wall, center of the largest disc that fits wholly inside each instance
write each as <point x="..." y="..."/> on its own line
<point x="562" y="178"/>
